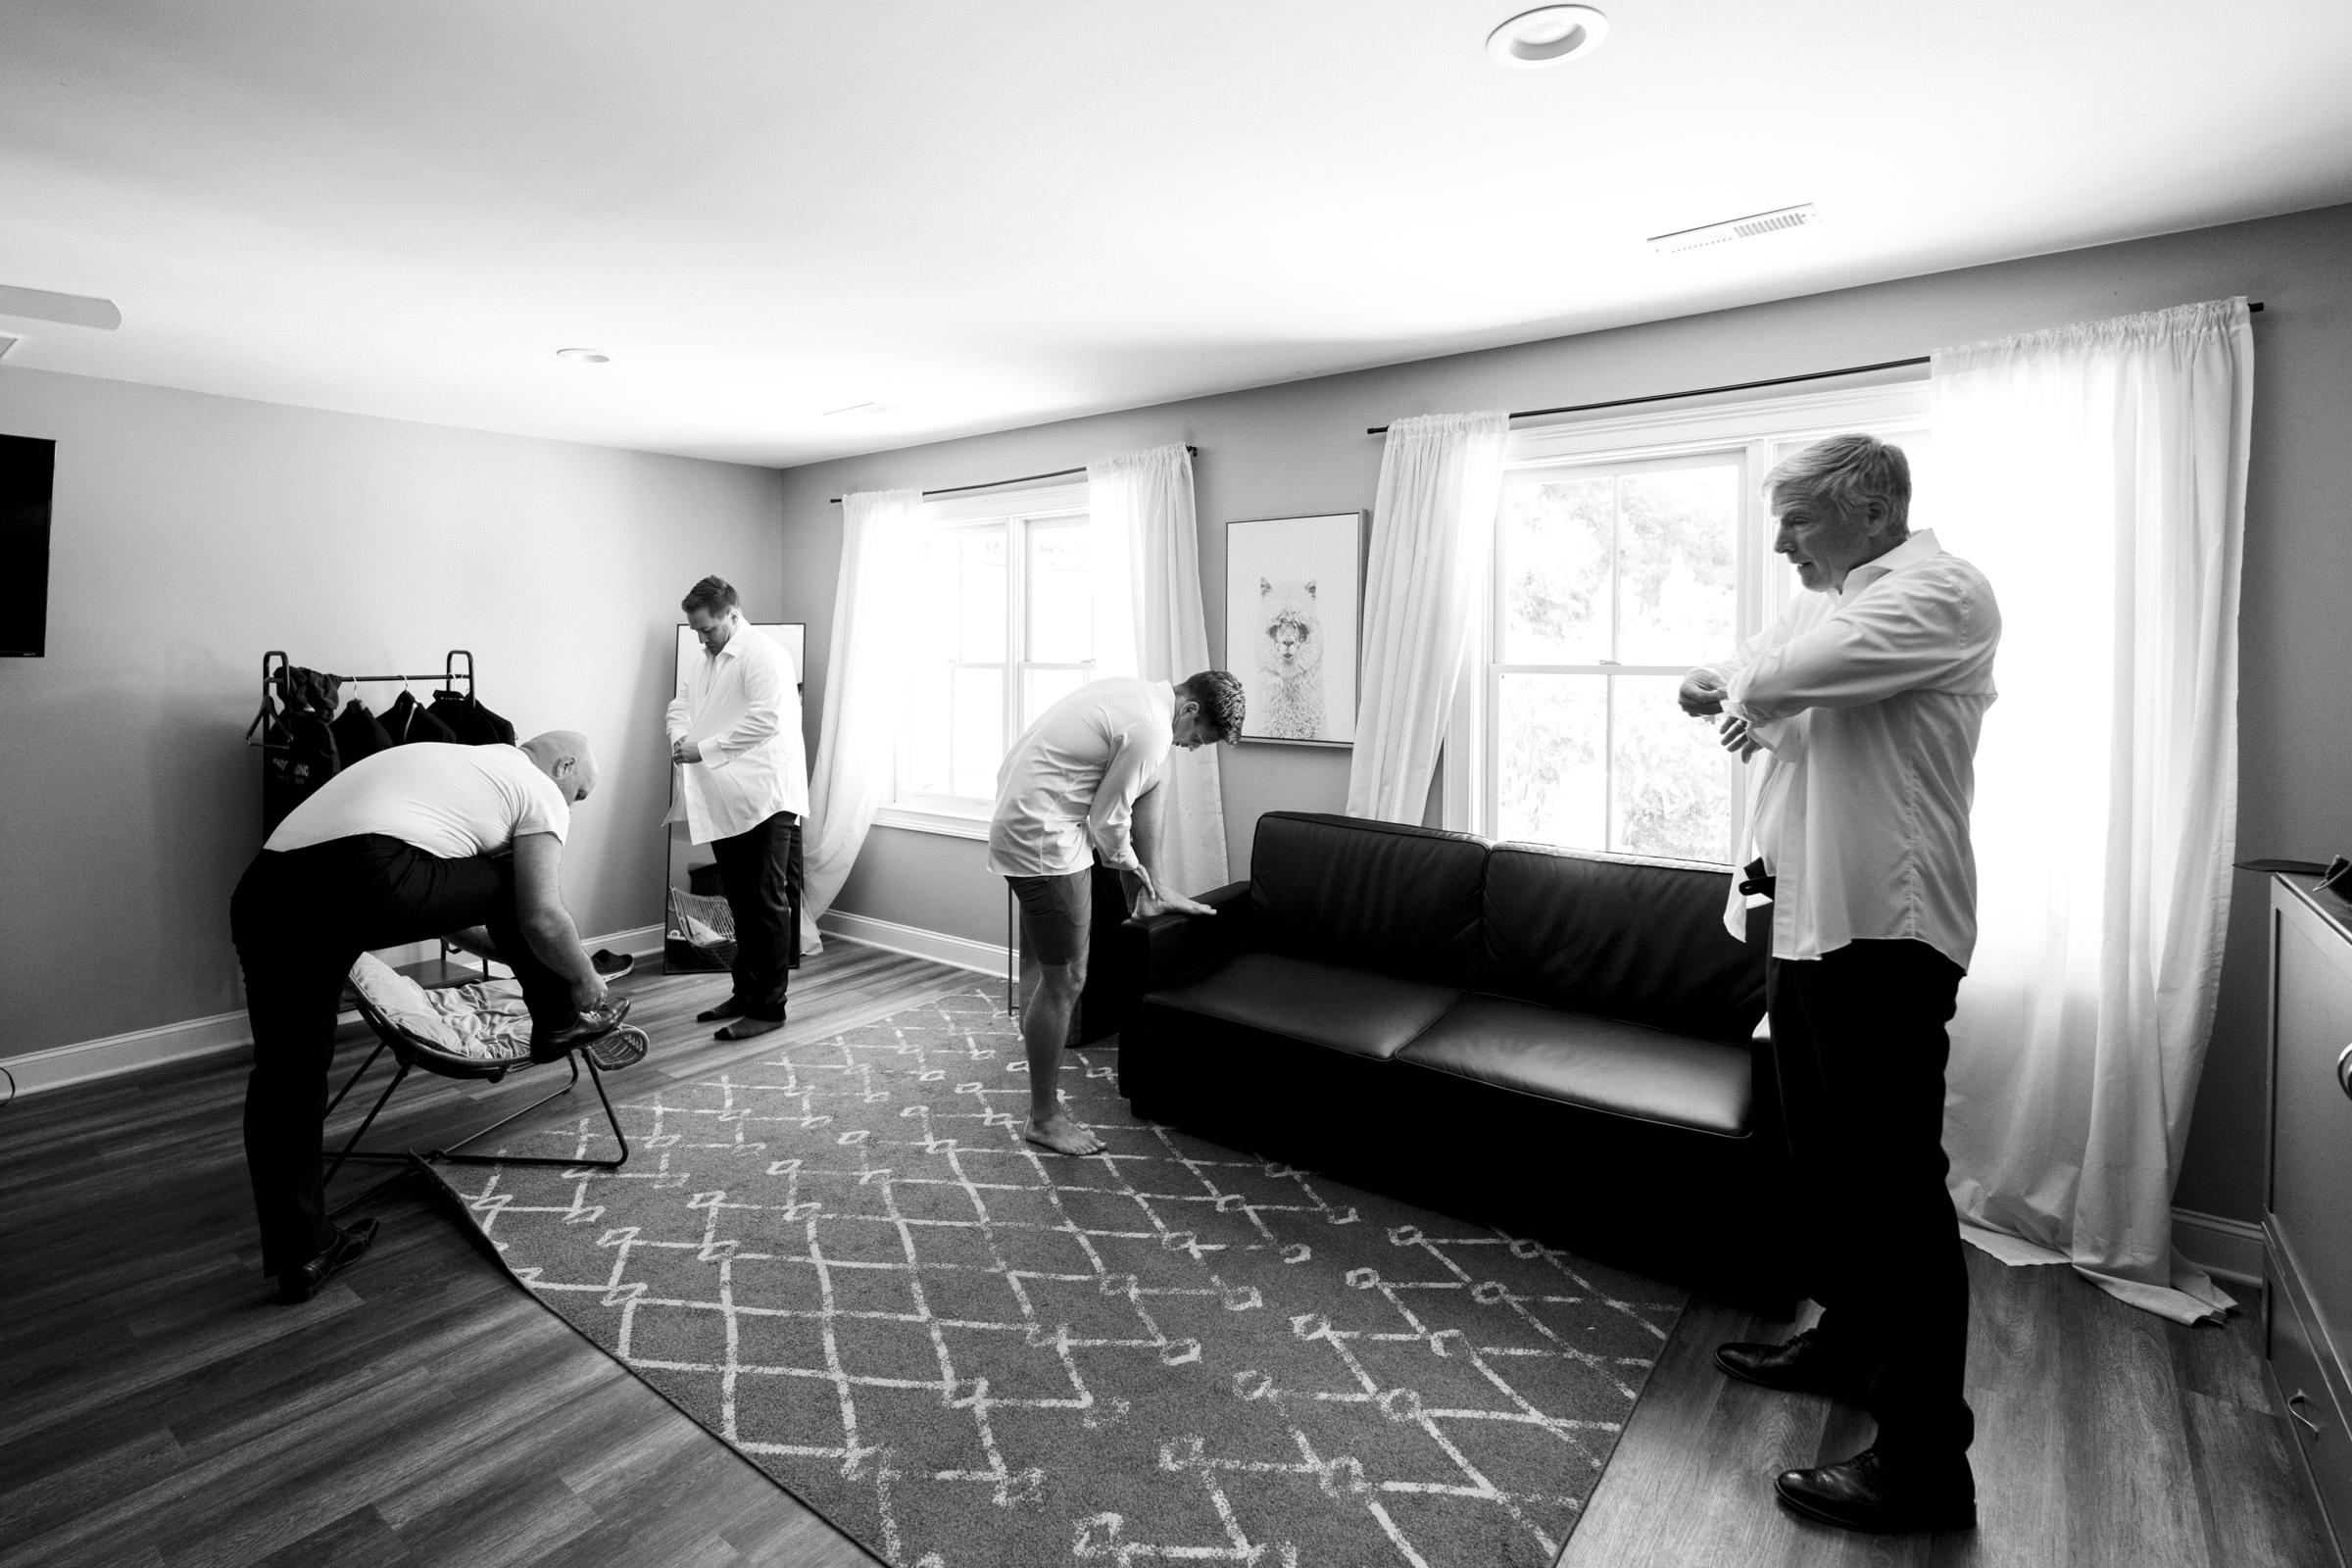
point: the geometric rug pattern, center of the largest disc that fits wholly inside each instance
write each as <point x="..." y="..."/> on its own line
<point x="842" y="1258"/>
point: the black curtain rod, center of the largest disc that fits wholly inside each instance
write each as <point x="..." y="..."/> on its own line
<point x="1735" y="386"/>
<point x="992" y="484"/>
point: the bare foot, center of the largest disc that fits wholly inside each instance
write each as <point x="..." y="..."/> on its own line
<point x="747" y="1028"/>
<point x="1062" y="1134"/>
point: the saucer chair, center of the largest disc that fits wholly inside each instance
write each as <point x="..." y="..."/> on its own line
<point x="481" y="1033"/>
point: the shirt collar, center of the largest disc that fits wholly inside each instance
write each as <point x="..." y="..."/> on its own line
<point x="734" y="646"/>
<point x="1910" y="553"/>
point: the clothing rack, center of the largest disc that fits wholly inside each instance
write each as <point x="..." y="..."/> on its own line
<point x="276" y="664"/>
<point x="1730" y="386"/>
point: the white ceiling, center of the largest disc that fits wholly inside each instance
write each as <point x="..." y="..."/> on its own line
<point x="989" y="214"/>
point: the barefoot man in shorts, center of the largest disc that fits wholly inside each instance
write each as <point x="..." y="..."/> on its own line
<point x="1082" y="783"/>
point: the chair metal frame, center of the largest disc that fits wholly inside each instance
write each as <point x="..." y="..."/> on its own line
<point x="411" y="1052"/>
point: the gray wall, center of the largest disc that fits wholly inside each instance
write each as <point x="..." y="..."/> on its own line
<point x="191" y="534"/>
<point x="1301" y="447"/>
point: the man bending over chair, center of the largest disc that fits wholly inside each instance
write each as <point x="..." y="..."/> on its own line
<point x="405" y="845"/>
<point x="1082" y="782"/>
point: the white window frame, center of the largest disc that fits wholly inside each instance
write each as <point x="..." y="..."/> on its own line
<point x="960" y="817"/>
<point x="1752" y="429"/>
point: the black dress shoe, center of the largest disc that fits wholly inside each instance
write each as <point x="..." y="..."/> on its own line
<point x="1865" y="1492"/>
<point x="1802" y="1365"/>
<point x="729" y="1008"/>
<point x="298" y="1285"/>
<point x="591" y="1023"/>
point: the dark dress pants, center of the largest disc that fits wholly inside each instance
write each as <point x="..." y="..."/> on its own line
<point x="760" y="871"/>
<point x="1859" y="1045"/>
<point x="300" y="919"/>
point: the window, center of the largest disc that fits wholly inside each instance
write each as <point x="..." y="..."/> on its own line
<point x="1000" y="619"/>
<point x="1627" y="551"/>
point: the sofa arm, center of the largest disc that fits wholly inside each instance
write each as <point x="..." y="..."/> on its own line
<point x="1177" y="945"/>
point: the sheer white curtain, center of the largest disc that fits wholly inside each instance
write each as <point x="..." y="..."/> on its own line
<point x="854" y="749"/>
<point x="1149" y="622"/>
<point x="1433" y="532"/>
<point x="2097" y="475"/>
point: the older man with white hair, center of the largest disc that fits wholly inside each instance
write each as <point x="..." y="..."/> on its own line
<point x="1859" y="709"/>
<point x="417" y="841"/>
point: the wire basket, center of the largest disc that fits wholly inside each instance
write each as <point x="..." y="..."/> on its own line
<point x="699" y="934"/>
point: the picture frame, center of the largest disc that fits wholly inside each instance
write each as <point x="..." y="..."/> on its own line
<point x="1294" y="625"/>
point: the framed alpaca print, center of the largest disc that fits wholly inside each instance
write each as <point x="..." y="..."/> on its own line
<point x="1293" y="595"/>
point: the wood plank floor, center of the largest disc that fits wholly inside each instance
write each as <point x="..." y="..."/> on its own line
<point x="157" y="1409"/>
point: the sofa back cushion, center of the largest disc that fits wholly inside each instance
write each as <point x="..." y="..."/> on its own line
<point x="1401" y="900"/>
<point x="1621" y="937"/>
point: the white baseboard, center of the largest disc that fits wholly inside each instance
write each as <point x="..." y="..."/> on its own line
<point x="63" y="1066"/>
<point x="87" y="1060"/>
<point x="988" y="958"/>
<point x="2230" y="1249"/>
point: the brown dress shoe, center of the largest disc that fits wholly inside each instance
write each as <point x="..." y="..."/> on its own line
<point x="1802" y="1365"/>
<point x="298" y="1285"/>
<point x="1866" y="1493"/>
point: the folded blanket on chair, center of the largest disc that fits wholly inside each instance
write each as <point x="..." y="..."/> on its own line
<point x="485" y="1021"/>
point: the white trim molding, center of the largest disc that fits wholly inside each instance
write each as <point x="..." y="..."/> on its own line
<point x="222" y="1033"/>
<point x="2230" y="1249"/>
<point x="915" y="819"/>
<point x="987" y="958"/>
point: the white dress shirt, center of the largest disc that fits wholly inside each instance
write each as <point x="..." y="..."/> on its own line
<point x="1068" y="787"/>
<point x="742" y="707"/>
<point x="1868" y="702"/>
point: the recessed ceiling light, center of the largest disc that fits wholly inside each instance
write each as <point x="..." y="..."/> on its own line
<point x="584" y="356"/>
<point x="1548" y="35"/>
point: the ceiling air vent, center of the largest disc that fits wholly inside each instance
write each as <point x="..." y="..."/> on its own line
<point x="1748" y="228"/>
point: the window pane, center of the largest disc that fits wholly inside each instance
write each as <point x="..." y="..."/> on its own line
<point x="1550" y="784"/>
<point x="981" y="626"/>
<point x="1672" y="793"/>
<point x="1676" y="589"/>
<point x="1062" y="604"/>
<point x="1043" y="688"/>
<point x="1556" y="548"/>
<point x="978" y="726"/>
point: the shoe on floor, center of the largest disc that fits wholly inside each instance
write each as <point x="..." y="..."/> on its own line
<point x="298" y="1285"/>
<point x="1802" y="1365"/>
<point x="748" y="1028"/>
<point x="729" y="1008"/>
<point x="610" y="965"/>
<point x="1867" y="1494"/>
<point x="591" y="1023"/>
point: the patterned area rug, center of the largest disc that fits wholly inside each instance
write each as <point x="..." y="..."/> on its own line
<point x="842" y="1260"/>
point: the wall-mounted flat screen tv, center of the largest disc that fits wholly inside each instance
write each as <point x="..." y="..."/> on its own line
<point x="26" y="467"/>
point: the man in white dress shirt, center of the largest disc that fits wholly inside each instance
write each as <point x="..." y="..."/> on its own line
<point x="742" y="788"/>
<point x="1859" y="709"/>
<point x="1082" y="783"/>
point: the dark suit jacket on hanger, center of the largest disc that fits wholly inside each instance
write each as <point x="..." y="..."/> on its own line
<point x="407" y="720"/>
<point x="468" y="720"/>
<point x="360" y="733"/>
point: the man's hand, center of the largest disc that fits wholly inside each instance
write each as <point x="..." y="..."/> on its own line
<point x="1737" y="738"/>
<point x="1156" y="903"/>
<point x="588" y="993"/>
<point x="1701" y="694"/>
<point x="685" y="751"/>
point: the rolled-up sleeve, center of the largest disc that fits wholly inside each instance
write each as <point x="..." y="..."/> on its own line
<point x="1908" y="632"/>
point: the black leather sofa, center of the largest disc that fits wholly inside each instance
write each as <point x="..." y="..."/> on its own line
<point x="1563" y="1045"/>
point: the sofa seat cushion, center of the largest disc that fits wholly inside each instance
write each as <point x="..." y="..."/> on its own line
<point x="1353" y="1010"/>
<point x="1624" y="1069"/>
